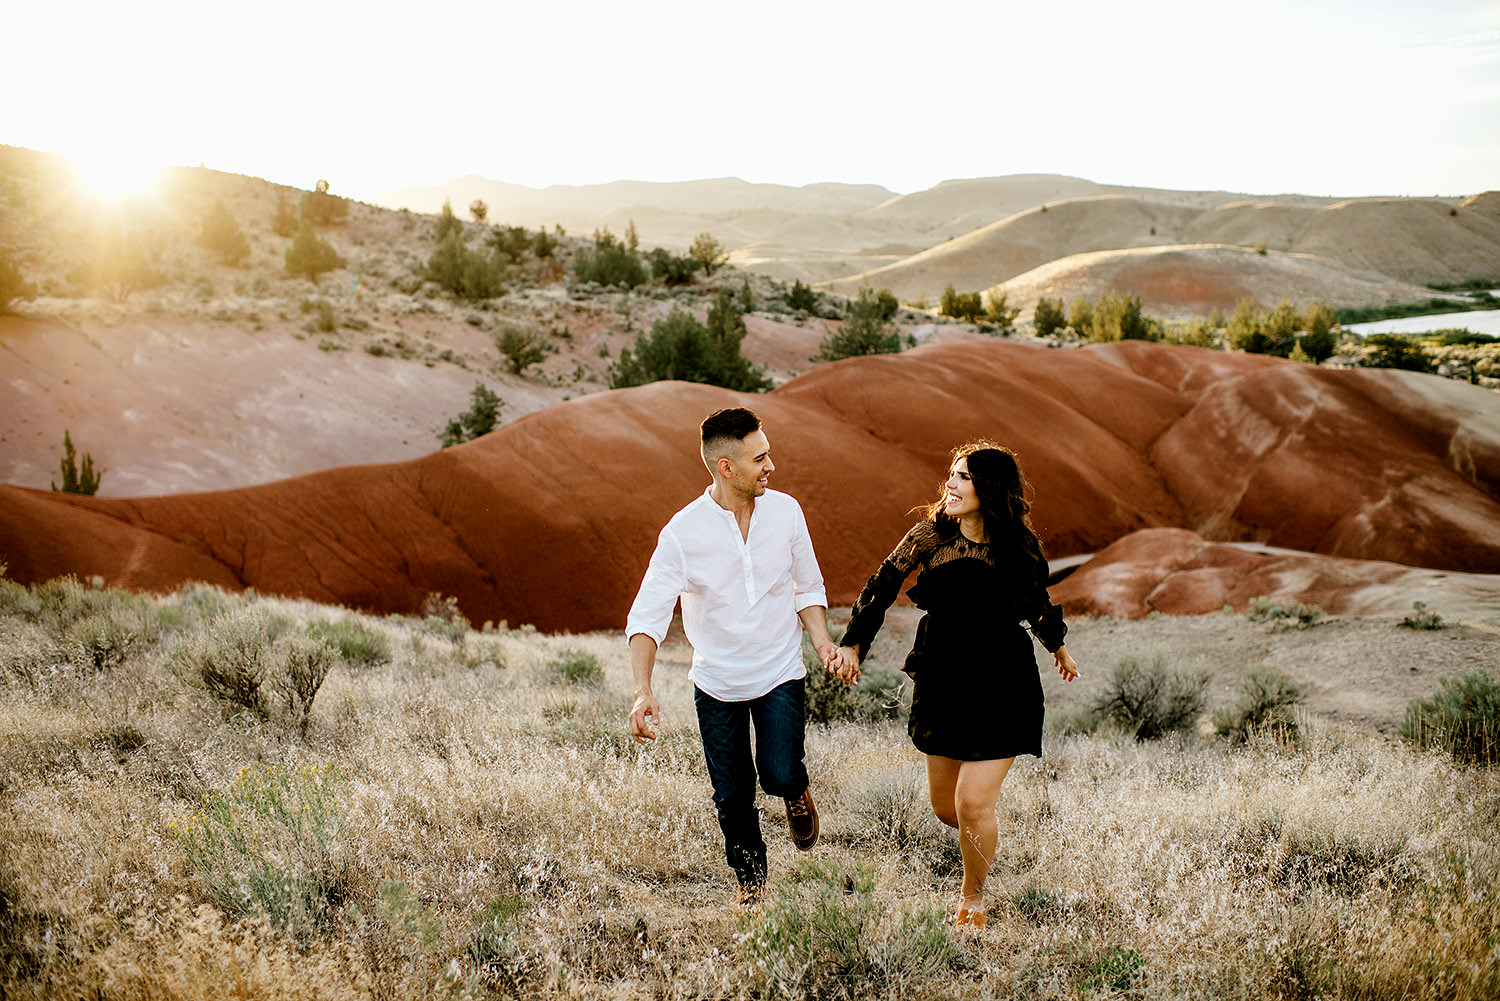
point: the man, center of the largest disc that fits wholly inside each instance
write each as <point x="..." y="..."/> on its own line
<point x="741" y="560"/>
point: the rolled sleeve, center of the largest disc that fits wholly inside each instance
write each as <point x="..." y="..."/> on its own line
<point x="651" y="612"/>
<point x="807" y="578"/>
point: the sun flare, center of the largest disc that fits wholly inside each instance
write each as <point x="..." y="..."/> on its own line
<point x="114" y="174"/>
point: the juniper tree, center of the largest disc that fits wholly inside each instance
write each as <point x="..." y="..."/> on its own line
<point x="76" y="481"/>
<point x="222" y="235"/>
<point x="310" y="255"/>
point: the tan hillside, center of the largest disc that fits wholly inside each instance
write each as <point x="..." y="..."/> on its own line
<point x="1188" y="281"/>
<point x="1026" y="240"/>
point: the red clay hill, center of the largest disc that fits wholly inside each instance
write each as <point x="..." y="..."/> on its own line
<point x="551" y="519"/>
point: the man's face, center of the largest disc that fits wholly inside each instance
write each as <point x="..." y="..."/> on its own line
<point x="750" y="466"/>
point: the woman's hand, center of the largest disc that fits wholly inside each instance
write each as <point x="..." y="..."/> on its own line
<point x="845" y="664"/>
<point x="1065" y="664"/>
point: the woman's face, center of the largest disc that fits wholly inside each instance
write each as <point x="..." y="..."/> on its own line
<point x="960" y="498"/>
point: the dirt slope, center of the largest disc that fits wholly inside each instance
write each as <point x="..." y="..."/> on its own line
<point x="551" y="519"/>
<point x="1175" y="572"/>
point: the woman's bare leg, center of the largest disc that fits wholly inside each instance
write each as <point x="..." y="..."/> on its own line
<point x="975" y="795"/>
<point x="942" y="782"/>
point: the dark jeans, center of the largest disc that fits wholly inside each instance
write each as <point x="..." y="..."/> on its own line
<point x="779" y="717"/>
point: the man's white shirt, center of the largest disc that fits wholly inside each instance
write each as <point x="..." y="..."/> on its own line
<point x="740" y="595"/>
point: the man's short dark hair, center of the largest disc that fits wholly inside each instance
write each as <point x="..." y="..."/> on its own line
<point x="722" y="426"/>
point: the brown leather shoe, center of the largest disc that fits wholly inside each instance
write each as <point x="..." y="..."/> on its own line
<point x="802" y="820"/>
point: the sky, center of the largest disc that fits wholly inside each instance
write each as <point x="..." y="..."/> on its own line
<point x="1307" y="96"/>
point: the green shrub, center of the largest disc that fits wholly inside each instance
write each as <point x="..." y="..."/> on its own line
<point x="464" y="272"/>
<point x="301" y="664"/>
<point x="479" y="210"/>
<point x="670" y="270"/>
<point x="480" y="419"/>
<point x="231" y="659"/>
<point x="1395" y="351"/>
<point x="321" y="208"/>
<point x="823" y="934"/>
<point x="1422" y="618"/>
<point x="103" y="641"/>
<point x="1147" y="699"/>
<point x="543" y="245"/>
<point x="1299" y="616"/>
<point x="271" y="843"/>
<point x="802" y="298"/>
<point x="866" y="329"/>
<point x="1120" y="318"/>
<point x="610" y="263"/>
<point x="1049" y="317"/>
<point x="511" y="241"/>
<point x="310" y="255"/>
<point x="76" y="480"/>
<point x="357" y="645"/>
<point x="575" y="667"/>
<point x="1463" y="718"/>
<point x="222" y="235"/>
<point x="679" y="347"/>
<point x="961" y="305"/>
<point x="1267" y="697"/>
<point x="13" y="285"/>
<point x="521" y="348"/>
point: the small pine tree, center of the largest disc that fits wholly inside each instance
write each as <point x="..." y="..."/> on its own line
<point x="222" y="235"/>
<point x="669" y="269"/>
<point x="1280" y="329"/>
<point x="747" y="297"/>
<point x="632" y="238"/>
<point x="522" y="348"/>
<point x="310" y="255"/>
<point x="1081" y="317"/>
<point x="948" y="304"/>
<point x="611" y="263"/>
<point x="866" y="330"/>
<point x="479" y="210"/>
<point x="1322" y="334"/>
<point x="480" y="419"/>
<point x="1049" y="317"/>
<point x="447" y="223"/>
<point x="1395" y="351"/>
<point x="708" y="252"/>
<point x="76" y="481"/>
<point x="1244" y="331"/>
<point x="13" y="285"/>
<point x="802" y="298"/>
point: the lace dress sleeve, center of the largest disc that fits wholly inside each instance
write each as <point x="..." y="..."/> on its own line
<point x="1044" y="618"/>
<point x="881" y="589"/>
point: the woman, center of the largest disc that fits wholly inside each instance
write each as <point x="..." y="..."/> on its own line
<point x="977" y="700"/>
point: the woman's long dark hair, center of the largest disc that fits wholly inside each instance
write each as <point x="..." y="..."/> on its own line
<point x="1001" y="488"/>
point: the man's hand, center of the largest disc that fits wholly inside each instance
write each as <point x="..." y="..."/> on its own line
<point x="645" y="716"/>
<point x="846" y="664"/>
<point x="1065" y="664"/>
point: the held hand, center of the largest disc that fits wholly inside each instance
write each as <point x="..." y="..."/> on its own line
<point x="847" y="666"/>
<point x="645" y="716"/>
<point x="828" y="653"/>
<point x="1065" y="664"/>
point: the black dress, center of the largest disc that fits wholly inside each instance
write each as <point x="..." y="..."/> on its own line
<point x="977" y="690"/>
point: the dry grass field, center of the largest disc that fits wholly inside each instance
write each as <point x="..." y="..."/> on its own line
<point x="189" y="808"/>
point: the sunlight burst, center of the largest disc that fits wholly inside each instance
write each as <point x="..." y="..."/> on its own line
<point x="113" y="173"/>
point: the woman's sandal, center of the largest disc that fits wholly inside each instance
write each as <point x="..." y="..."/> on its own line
<point x="969" y="919"/>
